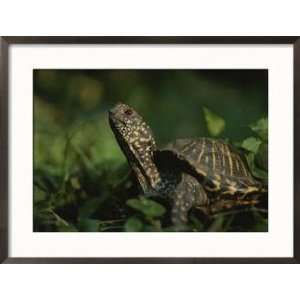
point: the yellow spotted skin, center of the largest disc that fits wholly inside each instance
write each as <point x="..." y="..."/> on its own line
<point x="202" y="172"/>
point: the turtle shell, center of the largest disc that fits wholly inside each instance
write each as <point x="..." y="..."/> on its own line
<point x="220" y="168"/>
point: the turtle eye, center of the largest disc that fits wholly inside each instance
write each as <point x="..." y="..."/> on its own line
<point x="128" y="112"/>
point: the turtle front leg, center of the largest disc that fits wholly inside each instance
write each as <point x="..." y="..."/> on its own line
<point x="188" y="193"/>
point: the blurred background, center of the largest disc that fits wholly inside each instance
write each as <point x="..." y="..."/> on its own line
<point x="78" y="167"/>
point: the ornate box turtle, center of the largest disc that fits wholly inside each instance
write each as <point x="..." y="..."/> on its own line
<point x="205" y="173"/>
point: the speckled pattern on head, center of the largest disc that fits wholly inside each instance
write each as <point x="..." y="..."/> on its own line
<point x="204" y="172"/>
<point x="136" y="141"/>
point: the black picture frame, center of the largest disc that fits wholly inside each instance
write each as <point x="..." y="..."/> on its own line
<point x="6" y="42"/>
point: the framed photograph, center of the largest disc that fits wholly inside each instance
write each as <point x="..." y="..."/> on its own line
<point x="149" y="150"/>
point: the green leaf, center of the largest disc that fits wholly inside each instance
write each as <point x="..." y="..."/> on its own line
<point x="215" y="124"/>
<point x="154" y="226"/>
<point x="251" y="144"/>
<point x="257" y="172"/>
<point x="39" y="195"/>
<point x="148" y="207"/>
<point x="134" y="224"/>
<point x="261" y="128"/>
<point x="261" y="157"/>
<point x="75" y="183"/>
<point x="88" y="225"/>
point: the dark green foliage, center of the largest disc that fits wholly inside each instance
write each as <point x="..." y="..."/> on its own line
<point x="257" y="149"/>
<point x="82" y="181"/>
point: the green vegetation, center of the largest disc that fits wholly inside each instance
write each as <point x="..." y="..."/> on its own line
<point x="82" y="181"/>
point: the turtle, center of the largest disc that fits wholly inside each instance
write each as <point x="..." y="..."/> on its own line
<point x="204" y="173"/>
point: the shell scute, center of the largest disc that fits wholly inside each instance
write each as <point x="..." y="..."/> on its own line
<point x="221" y="168"/>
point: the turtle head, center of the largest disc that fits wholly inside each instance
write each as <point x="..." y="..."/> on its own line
<point x="137" y="143"/>
<point x="130" y="128"/>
